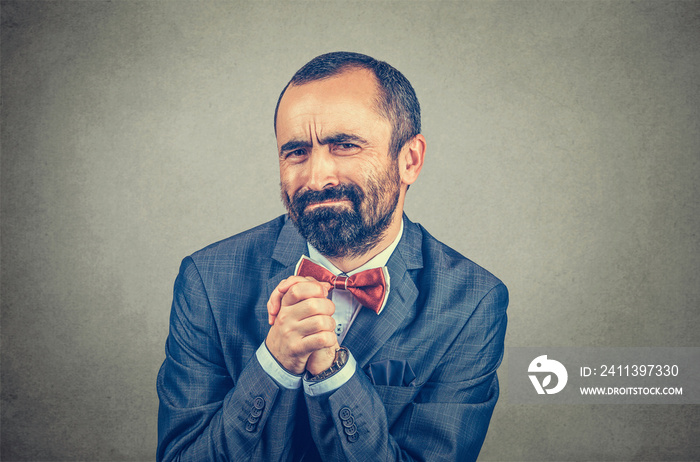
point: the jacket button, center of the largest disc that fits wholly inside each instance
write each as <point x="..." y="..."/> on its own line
<point x="345" y="413"/>
<point x="259" y="403"/>
<point x="349" y="422"/>
<point x="350" y="430"/>
<point x="252" y="419"/>
<point x="255" y="412"/>
<point x="354" y="437"/>
<point x="250" y="427"/>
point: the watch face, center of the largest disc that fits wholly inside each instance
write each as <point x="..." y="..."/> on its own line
<point x="342" y="356"/>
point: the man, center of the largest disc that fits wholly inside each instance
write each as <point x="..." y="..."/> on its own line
<point x="254" y="367"/>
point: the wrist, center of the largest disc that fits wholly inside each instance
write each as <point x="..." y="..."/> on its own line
<point x="338" y="361"/>
<point x="288" y="367"/>
<point x="321" y="360"/>
<point x="275" y="370"/>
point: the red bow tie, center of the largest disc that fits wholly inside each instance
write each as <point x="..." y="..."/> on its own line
<point x="370" y="287"/>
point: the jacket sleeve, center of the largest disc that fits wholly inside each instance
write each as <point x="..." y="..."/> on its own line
<point x="446" y="420"/>
<point x="205" y="413"/>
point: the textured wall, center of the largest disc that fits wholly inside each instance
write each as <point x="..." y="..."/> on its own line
<point x="563" y="155"/>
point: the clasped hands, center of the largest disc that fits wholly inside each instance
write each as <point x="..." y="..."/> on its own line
<point x="302" y="336"/>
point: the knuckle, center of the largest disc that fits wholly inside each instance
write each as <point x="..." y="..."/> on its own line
<point x="326" y="324"/>
<point x="316" y="305"/>
<point x="316" y="324"/>
<point x="309" y="343"/>
<point x="329" y="339"/>
<point x="319" y="305"/>
<point x="323" y="340"/>
<point x="292" y="291"/>
<point x="282" y="316"/>
<point x="317" y="341"/>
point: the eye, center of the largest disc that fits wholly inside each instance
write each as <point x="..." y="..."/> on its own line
<point x="294" y="154"/>
<point x="346" y="148"/>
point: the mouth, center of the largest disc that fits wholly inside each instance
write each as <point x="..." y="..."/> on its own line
<point x="329" y="203"/>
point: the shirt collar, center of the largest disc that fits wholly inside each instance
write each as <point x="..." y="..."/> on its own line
<point x="379" y="260"/>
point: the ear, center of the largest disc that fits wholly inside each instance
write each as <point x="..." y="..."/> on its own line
<point x="411" y="159"/>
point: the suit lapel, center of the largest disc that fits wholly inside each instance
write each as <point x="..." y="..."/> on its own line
<point x="369" y="332"/>
<point x="290" y="245"/>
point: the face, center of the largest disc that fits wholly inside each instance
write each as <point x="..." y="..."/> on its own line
<point x="339" y="183"/>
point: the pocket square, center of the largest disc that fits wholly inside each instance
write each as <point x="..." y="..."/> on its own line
<point x="391" y="372"/>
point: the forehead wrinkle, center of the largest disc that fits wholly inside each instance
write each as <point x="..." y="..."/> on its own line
<point x="319" y="117"/>
<point x="301" y="136"/>
<point x="313" y="129"/>
<point x="306" y="127"/>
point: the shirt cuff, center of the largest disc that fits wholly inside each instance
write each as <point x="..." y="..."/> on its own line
<point x="333" y="382"/>
<point x="275" y="369"/>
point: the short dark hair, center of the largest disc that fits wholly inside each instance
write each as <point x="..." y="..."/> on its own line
<point x="397" y="100"/>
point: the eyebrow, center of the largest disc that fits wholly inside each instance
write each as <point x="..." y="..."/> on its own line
<point x="338" y="138"/>
<point x="335" y="138"/>
<point x="293" y="145"/>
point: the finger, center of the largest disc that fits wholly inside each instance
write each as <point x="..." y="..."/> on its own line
<point x="318" y="341"/>
<point x="304" y="290"/>
<point x="290" y="315"/>
<point x="275" y="301"/>
<point x="315" y="324"/>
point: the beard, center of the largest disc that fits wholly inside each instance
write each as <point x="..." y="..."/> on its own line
<point x="339" y="231"/>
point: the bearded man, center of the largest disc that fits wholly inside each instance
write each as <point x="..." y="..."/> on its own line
<point x="342" y="330"/>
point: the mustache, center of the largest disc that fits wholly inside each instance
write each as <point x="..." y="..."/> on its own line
<point x="303" y="199"/>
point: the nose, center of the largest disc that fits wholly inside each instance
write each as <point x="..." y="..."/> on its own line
<point x="322" y="169"/>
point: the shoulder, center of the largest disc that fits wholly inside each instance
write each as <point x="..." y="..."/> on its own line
<point x="441" y="258"/>
<point x="246" y="253"/>
<point x="450" y="275"/>
<point x="260" y="240"/>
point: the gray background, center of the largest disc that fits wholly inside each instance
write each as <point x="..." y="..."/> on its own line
<point x="563" y="155"/>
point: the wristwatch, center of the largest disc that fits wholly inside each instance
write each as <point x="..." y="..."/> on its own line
<point x="341" y="357"/>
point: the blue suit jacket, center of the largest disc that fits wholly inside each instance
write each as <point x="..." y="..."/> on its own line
<point x="425" y="385"/>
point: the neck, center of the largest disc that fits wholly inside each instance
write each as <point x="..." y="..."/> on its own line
<point x="347" y="264"/>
